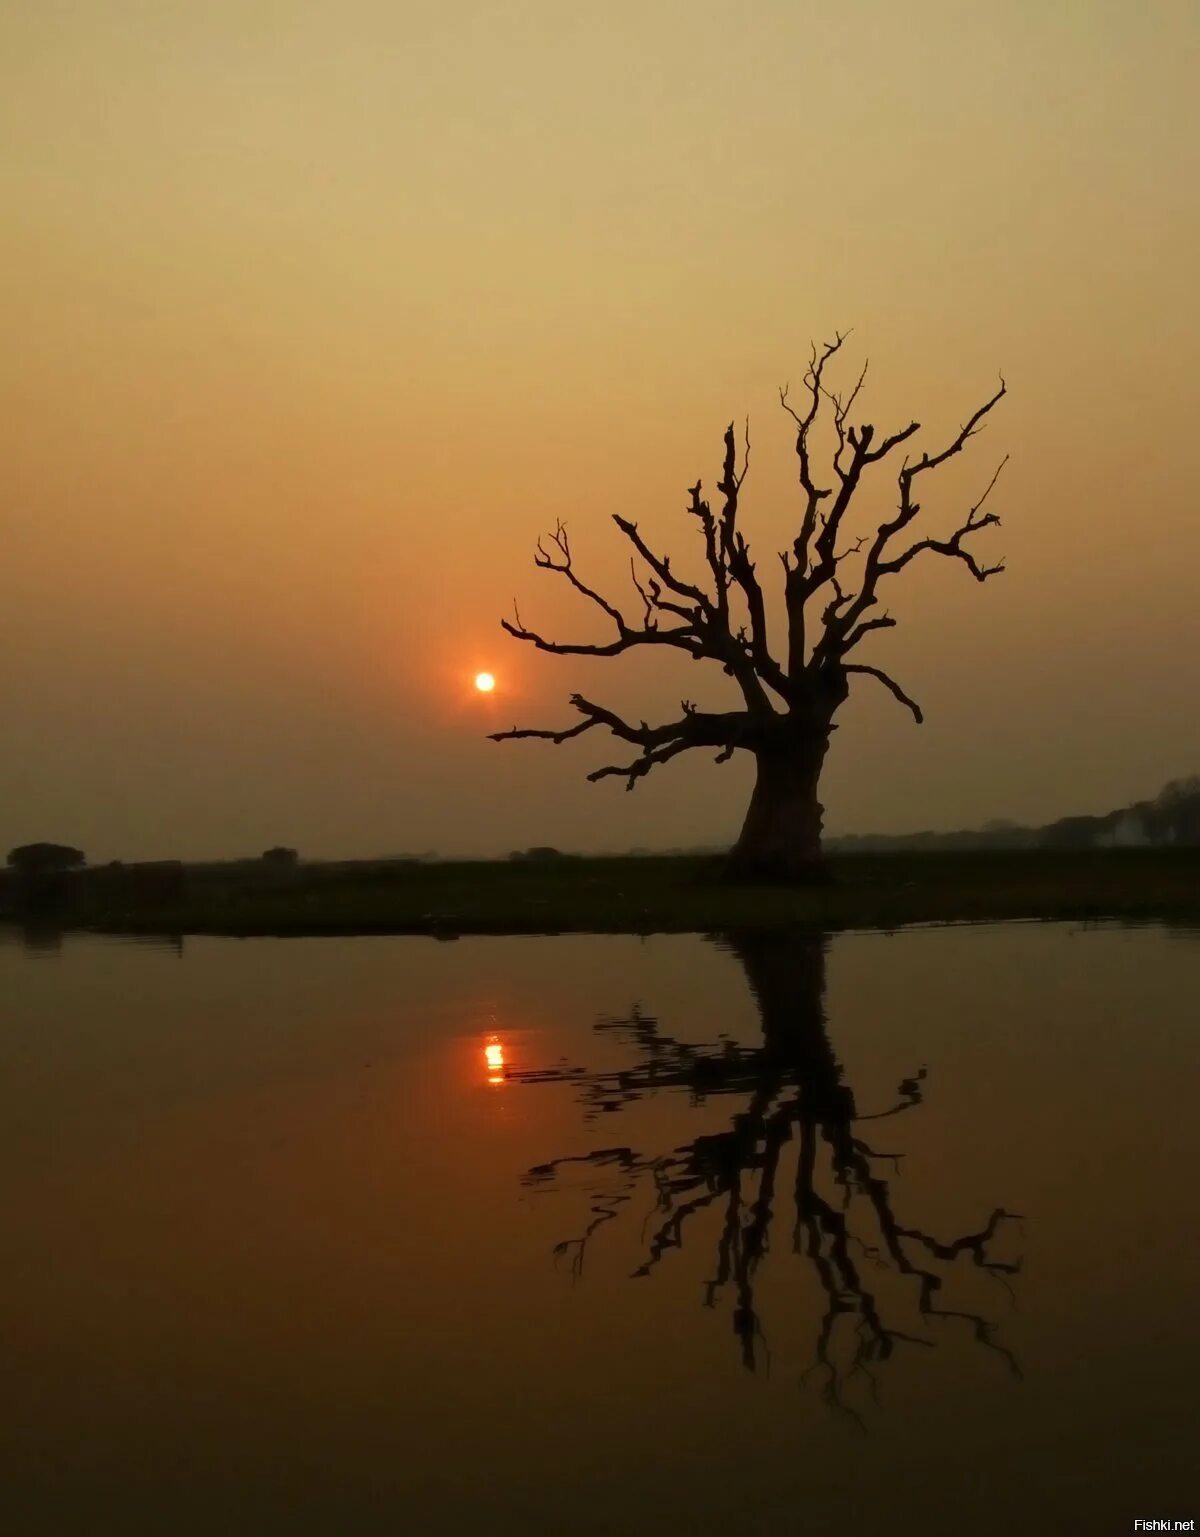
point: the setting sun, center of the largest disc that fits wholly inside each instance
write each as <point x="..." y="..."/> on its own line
<point x="484" y="682"/>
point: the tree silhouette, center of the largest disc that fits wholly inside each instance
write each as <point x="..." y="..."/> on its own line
<point x="844" y="1218"/>
<point x="788" y="704"/>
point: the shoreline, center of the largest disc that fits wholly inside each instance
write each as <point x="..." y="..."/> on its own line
<point x="630" y="895"/>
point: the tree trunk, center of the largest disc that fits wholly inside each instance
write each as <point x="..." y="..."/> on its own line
<point x="786" y="973"/>
<point x="781" y="836"/>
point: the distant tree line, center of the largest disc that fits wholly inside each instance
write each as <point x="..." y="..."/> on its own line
<point x="54" y="880"/>
<point x="1172" y="817"/>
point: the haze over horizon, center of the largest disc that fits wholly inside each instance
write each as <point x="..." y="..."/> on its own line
<point x="316" y="319"/>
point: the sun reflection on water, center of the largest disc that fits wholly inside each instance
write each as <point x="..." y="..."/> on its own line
<point x="493" y="1054"/>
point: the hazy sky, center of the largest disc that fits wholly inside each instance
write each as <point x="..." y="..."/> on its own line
<point x="316" y="315"/>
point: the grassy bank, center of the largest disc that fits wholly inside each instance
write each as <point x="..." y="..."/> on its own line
<point x="631" y="895"/>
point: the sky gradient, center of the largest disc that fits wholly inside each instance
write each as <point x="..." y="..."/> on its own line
<point x="315" y="317"/>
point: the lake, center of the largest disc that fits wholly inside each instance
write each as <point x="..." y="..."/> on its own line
<point x="601" y="1235"/>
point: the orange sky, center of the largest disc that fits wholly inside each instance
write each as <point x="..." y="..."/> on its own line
<point x="316" y="316"/>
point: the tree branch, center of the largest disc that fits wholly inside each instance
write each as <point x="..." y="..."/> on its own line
<point x="813" y="562"/>
<point x="660" y="565"/>
<point x="683" y="637"/>
<point x="843" y="630"/>
<point x="695" y="728"/>
<point x="796" y="568"/>
<point x="891" y="685"/>
<point x="885" y="622"/>
<point x="519" y="732"/>
<point x="968" y="430"/>
<point x="640" y="767"/>
<point x="546" y="561"/>
<point x="953" y="545"/>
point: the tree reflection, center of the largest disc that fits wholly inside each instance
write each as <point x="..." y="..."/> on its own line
<point x="843" y="1216"/>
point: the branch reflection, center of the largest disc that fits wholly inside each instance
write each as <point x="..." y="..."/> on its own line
<point x="843" y="1216"/>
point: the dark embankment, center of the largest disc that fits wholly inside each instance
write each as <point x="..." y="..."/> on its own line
<point x="631" y="895"/>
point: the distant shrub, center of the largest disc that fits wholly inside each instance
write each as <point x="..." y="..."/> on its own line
<point x="1073" y="832"/>
<point x="280" y="858"/>
<point x="45" y="858"/>
<point x="540" y="853"/>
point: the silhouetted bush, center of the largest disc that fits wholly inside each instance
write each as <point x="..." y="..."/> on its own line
<point x="542" y="853"/>
<point x="156" y="883"/>
<point x="280" y="858"/>
<point x="1073" y="832"/>
<point x="44" y="858"/>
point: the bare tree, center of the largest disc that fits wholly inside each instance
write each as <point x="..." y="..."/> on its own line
<point x="787" y="705"/>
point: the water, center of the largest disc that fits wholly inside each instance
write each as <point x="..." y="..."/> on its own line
<point x="601" y="1235"/>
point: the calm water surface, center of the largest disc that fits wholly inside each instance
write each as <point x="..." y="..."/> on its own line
<point x="599" y="1235"/>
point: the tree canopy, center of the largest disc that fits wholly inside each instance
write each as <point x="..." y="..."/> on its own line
<point x="788" y="697"/>
<point x="39" y="858"/>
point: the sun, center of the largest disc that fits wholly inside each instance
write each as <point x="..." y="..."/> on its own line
<point x="484" y="682"/>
